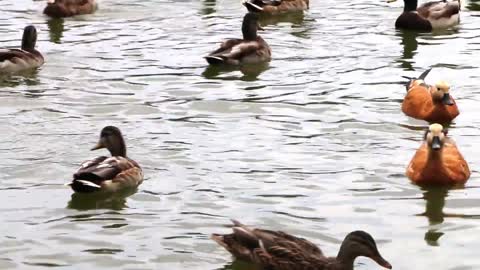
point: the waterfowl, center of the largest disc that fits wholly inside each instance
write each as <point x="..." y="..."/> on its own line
<point x="68" y="8"/>
<point x="14" y="60"/>
<point x="429" y="16"/>
<point x="438" y="160"/>
<point x="430" y="103"/>
<point x="275" y="250"/>
<point x="108" y="174"/>
<point x="275" y="6"/>
<point x="249" y="50"/>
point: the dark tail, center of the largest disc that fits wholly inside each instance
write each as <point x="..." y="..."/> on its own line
<point x="215" y="60"/>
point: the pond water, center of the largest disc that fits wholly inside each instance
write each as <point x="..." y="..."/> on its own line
<point x="314" y="144"/>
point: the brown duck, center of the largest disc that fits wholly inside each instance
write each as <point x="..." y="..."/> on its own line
<point x="276" y="250"/>
<point x="68" y="8"/>
<point x="275" y="6"/>
<point x="108" y="174"/>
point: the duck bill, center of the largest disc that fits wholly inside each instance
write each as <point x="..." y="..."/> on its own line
<point x="447" y="100"/>
<point x="382" y="262"/>
<point x="436" y="144"/>
<point x="99" y="145"/>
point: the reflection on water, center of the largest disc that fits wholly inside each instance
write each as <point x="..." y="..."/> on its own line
<point x="296" y="18"/>
<point x="86" y="201"/>
<point x="208" y="7"/>
<point x="435" y="201"/>
<point x="250" y="72"/>
<point x="239" y="265"/>
<point x="56" y="27"/>
<point x="410" y="45"/>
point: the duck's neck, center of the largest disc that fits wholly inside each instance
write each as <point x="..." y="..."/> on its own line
<point x="345" y="258"/>
<point x="249" y="30"/>
<point x="28" y="43"/>
<point x="119" y="148"/>
<point x="410" y="5"/>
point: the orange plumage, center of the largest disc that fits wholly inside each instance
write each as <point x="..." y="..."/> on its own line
<point x="430" y="103"/>
<point x="438" y="160"/>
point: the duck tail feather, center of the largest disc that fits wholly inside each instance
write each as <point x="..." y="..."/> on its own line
<point x="215" y="60"/>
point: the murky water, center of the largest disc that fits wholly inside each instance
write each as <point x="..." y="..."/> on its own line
<point x="314" y="144"/>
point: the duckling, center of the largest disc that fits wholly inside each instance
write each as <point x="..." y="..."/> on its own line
<point x="68" y="8"/>
<point x="438" y="160"/>
<point x="430" y="103"/>
<point x="429" y="16"/>
<point x="14" y="60"/>
<point x="275" y="6"/>
<point x="249" y="50"/>
<point x="277" y="250"/>
<point x="108" y="174"/>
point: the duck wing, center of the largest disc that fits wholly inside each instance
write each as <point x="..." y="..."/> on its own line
<point x="439" y="9"/>
<point x="93" y="173"/>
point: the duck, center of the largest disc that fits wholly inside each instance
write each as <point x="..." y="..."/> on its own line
<point x="430" y="16"/>
<point x="251" y="49"/>
<point x="68" y="8"/>
<point x="108" y="174"/>
<point x="275" y="6"/>
<point x="438" y="160"/>
<point x="432" y="103"/>
<point x="27" y="57"/>
<point x="277" y="250"/>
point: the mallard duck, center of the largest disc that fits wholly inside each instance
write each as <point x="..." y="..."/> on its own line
<point x="109" y="174"/>
<point x="429" y="103"/>
<point x="429" y="16"/>
<point x="438" y="160"/>
<point x="275" y="6"/>
<point x="14" y="60"/>
<point x="251" y="49"/>
<point x="277" y="250"/>
<point x="68" y="8"/>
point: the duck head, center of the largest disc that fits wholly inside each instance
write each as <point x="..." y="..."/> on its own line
<point x="435" y="136"/>
<point x="440" y="93"/>
<point x="29" y="38"/>
<point x="250" y="26"/>
<point x="112" y="139"/>
<point x="360" y="243"/>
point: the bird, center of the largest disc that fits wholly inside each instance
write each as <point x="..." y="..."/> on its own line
<point x="27" y="57"/>
<point x="249" y="50"/>
<point x="68" y="8"/>
<point x="429" y="16"/>
<point x="275" y="6"/>
<point x="108" y="174"/>
<point x="277" y="250"/>
<point x="438" y="160"/>
<point x="429" y="103"/>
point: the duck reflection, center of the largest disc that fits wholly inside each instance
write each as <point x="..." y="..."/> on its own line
<point x="435" y="201"/>
<point x="250" y="71"/>
<point x="89" y="201"/>
<point x="56" y="28"/>
<point x="208" y="7"/>
<point x="473" y="5"/>
<point x="410" y="45"/>
<point x="27" y="77"/>
<point x="295" y="17"/>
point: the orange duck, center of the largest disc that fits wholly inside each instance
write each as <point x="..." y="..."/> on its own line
<point x="429" y="103"/>
<point x="438" y="160"/>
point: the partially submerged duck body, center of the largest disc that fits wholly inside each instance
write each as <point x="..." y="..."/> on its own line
<point x="438" y="160"/>
<point x="108" y="174"/>
<point x="276" y="6"/>
<point x="249" y="50"/>
<point x="276" y="250"/>
<point x="15" y="60"/>
<point x="68" y="8"/>
<point x="429" y="16"/>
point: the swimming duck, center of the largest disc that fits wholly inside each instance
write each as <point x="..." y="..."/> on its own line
<point x="275" y="6"/>
<point x="429" y="16"/>
<point x="438" y="160"/>
<point x="251" y="49"/>
<point x="68" y="8"/>
<point x="430" y="103"/>
<point x="277" y="250"/>
<point x="14" y="60"/>
<point x="108" y="174"/>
